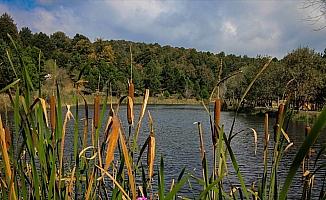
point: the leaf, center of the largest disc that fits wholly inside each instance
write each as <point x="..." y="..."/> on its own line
<point x="161" y="183"/>
<point x="304" y="149"/>
<point x="128" y="165"/>
<point x="177" y="188"/>
<point x="286" y="136"/>
<point x="141" y="116"/>
<point x="113" y="140"/>
<point x="114" y="181"/>
<point x="255" y="139"/>
<point x="10" y="86"/>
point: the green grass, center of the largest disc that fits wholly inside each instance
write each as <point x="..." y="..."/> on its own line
<point x="108" y="168"/>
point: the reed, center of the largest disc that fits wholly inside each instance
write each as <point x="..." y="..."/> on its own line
<point x="37" y="168"/>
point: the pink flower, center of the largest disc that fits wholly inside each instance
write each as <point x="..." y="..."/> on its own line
<point x="141" y="198"/>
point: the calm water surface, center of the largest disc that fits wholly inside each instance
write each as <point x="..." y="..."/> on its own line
<point x="178" y="142"/>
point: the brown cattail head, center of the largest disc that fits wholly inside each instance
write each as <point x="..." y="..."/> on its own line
<point x="7" y="137"/>
<point x="217" y="118"/>
<point x="130" y="103"/>
<point x="131" y="89"/>
<point x="307" y="130"/>
<point x="130" y="111"/>
<point x="96" y="110"/>
<point x="217" y="111"/>
<point x="52" y="112"/>
<point x="280" y="113"/>
<point x="151" y="155"/>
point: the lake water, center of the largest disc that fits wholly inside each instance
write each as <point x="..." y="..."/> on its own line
<point x="178" y="142"/>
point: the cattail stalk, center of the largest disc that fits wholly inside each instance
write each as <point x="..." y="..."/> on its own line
<point x="201" y="140"/>
<point x="279" y="121"/>
<point x="266" y="142"/>
<point x="96" y="110"/>
<point x="305" y="163"/>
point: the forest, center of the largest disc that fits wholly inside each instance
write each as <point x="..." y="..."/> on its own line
<point x="167" y="71"/>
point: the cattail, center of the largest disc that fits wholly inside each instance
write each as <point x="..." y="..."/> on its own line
<point x="7" y="137"/>
<point x="217" y="118"/>
<point x="217" y="112"/>
<point x="131" y="89"/>
<point x="6" y="160"/>
<point x="52" y="113"/>
<point x="151" y="155"/>
<point x="280" y="113"/>
<point x="307" y="130"/>
<point x="131" y="94"/>
<point x="96" y="110"/>
<point x="130" y="111"/>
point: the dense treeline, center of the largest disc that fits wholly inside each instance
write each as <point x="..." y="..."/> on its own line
<point x="165" y="70"/>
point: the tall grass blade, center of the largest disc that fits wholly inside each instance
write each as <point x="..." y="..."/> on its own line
<point x="161" y="184"/>
<point x="6" y="160"/>
<point x="10" y="86"/>
<point x="128" y="165"/>
<point x="11" y="63"/>
<point x="68" y="116"/>
<point x="176" y="188"/>
<point x="115" y="182"/>
<point x="246" y="92"/>
<point x="304" y="149"/>
<point x="203" y="194"/>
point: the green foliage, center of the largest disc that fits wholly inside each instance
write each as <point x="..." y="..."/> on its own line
<point x="185" y="73"/>
<point x="7" y="27"/>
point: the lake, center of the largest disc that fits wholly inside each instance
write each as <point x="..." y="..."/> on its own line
<point x="178" y="142"/>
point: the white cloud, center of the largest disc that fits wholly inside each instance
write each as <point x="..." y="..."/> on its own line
<point x="240" y="27"/>
<point x="136" y="15"/>
<point x="229" y="29"/>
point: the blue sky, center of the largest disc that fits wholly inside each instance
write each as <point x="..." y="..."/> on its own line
<point x="241" y="27"/>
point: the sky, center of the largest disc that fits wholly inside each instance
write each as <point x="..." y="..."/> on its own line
<point x="240" y="27"/>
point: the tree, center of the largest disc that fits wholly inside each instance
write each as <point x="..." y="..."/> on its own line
<point x="152" y="73"/>
<point x="26" y="36"/>
<point x="43" y="42"/>
<point x="308" y="69"/>
<point x="60" y="41"/>
<point x="7" y="27"/>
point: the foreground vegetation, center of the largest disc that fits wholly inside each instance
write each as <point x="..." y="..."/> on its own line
<point x="109" y="162"/>
<point x="164" y="70"/>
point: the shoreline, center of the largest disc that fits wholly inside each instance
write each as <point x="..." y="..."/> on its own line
<point x="301" y="115"/>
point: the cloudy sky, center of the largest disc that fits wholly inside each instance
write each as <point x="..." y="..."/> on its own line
<point x="241" y="27"/>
